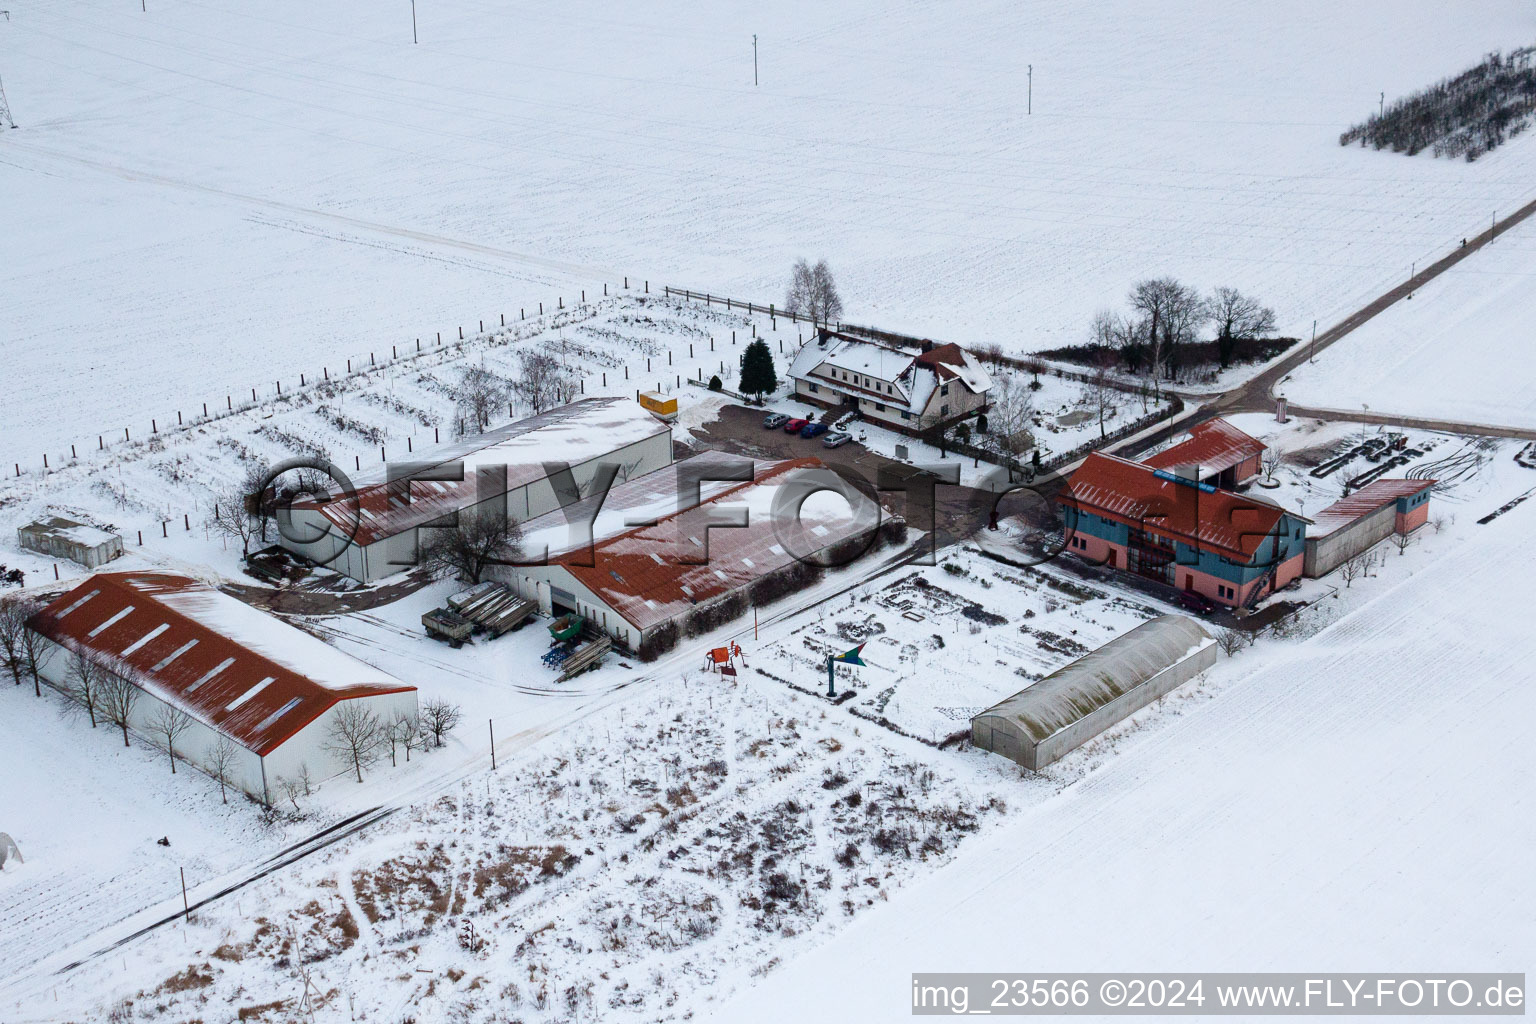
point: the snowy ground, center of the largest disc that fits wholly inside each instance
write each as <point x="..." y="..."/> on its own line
<point x="1355" y="799"/>
<point x="296" y="185"/>
<point x="1445" y="354"/>
<point x="396" y="409"/>
<point x="946" y="642"/>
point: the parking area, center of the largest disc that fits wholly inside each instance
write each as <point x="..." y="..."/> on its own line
<point x="960" y="511"/>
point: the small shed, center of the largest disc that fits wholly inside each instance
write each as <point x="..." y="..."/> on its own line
<point x="65" y="538"/>
<point x="1074" y="704"/>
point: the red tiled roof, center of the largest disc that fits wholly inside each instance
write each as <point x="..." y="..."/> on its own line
<point x="247" y="674"/>
<point x="1214" y="446"/>
<point x="642" y="573"/>
<point x="1134" y="493"/>
<point x="1367" y="500"/>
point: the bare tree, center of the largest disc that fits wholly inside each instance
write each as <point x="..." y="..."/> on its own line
<point x="405" y="730"/>
<point x="220" y="764"/>
<point x="354" y="735"/>
<point x="1238" y="317"/>
<point x="539" y="382"/>
<point x="1270" y="462"/>
<point x="305" y="779"/>
<point x="813" y="292"/>
<point x="1011" y="415"/>
<point x="1402" y="540"/>
<point x="439" y="718"/>
<point x="1170" y="314"/>
<point x="1230" y="641"/>
<point x="478" y="542"/>
<point x="83" y="684"/>
<point x="1101" y="392"/>
<point x="36" y="649"/>
<point x="480" y="395"/>
<point x="1355" y="567"/>
<point x="119" y="695"/>
<point x="260" y="496"/>
<point x="167" y="724"/>
<point x="232" y="517"/>
<point x="13" y="624"/>
<point x="291" y="788"/>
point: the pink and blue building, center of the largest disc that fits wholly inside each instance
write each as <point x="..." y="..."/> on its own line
<point x="1176" y="518"/>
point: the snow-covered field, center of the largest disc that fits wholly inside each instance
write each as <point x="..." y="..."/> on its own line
<point x="1458" y="350"/>
<point x="296" y="184"/>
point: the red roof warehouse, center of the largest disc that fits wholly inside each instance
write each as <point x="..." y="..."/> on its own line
<point x="236" y="672"/>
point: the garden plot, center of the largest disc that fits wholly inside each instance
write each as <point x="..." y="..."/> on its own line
<point x="161" y="486"/>
<point x="616" y="873"/>
<point x="943" y="643"/>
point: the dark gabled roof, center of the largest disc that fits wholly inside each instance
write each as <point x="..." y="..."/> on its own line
<point x="1159" y="502"/>
<point x="234" y="668"/>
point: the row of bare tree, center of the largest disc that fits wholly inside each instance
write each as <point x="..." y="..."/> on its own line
<point x="1167" y="318"/>
<point x="104" y="692"/>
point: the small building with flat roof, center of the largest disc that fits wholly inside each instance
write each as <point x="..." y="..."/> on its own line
<point x="65" y="538"/>
<point x="1072" y="705"/>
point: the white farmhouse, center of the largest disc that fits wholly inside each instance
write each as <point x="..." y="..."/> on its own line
<point x="908" y="389"/>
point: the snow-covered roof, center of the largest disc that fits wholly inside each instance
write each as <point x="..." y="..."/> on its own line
<point x="59" y="528"/>
<point x="241" y="671"/>
<point x="902" y="378"/>
<point x="1365" y="501"/>
<point x="574" y="433"/>
<point x="627" y="504"/>
<point x="1075" y="691"/>
<point x="653" y="573"/>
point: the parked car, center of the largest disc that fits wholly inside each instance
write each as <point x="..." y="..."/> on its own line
<point x="795" y="426"/>
<point x="774" y="420"/>
<point x="813" y="430"/>
<point x="1196" y="602"/>
<point x="836" y="439"/>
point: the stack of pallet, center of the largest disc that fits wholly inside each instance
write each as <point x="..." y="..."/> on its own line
<point x="493" y="606"/>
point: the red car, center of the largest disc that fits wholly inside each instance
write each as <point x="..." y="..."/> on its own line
<point x="795" y="426"/>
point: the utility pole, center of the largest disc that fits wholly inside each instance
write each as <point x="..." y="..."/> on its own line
<point x="1313" y="357"/>
<point x="1493" y="223"/>
<point x="413" y="21"/>
<point x="5" y="108"/>
<point x="754" y="56"/>
<point x="1381" y="107"/>
<point x="1029" y="100"/>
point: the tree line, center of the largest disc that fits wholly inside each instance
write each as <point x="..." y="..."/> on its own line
<point x="1464" y="116"/>
<point x="1170" y="328"/>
